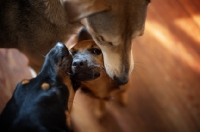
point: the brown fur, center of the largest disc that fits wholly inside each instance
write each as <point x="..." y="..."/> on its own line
<point x="34" y="26"/>
<point x="103" y="85"/>
<point x="103" y="88"/>
<point x="114" y="32"/>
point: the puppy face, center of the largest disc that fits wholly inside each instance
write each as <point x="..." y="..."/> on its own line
<point x="87" y="61"/>
<point x="88" y="67"/>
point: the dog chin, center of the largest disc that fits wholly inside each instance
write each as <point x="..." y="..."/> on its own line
<point x="85" y="76"/>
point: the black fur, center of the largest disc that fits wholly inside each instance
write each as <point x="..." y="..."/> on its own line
<point x="32" y="109"/>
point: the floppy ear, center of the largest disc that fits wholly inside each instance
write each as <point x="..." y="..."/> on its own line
<point x="84" y="35"/>
<point x="77" y="9"/>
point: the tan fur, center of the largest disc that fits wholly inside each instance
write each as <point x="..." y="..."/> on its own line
<point x="25" y="81"/>
<point x="78" y="9"/>
<point x="114" y="32"/>
<point x="66" y="80"/>
<point x="37" y="25"/>
<point x="45" y="86"/>
<point x="103" y="88"/>
<point x="68" y="120"/>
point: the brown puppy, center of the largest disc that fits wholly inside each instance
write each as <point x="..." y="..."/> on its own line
<point x="88" y="67"/>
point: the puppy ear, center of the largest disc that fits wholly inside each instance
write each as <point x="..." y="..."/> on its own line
<point x="78" y="9"/>
<point x="84" y="35"/>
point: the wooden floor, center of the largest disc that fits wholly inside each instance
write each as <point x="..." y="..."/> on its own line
<point x="164" y="92"/>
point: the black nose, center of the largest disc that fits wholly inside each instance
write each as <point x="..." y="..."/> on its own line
<point x="79" y="63"/>
<point x="122" y="80"/>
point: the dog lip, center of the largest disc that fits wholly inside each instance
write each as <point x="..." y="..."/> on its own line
<point x="121" y="81"/>
<point x="85" y="76"/>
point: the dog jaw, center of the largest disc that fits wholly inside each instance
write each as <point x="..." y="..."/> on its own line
<point x="114" y="30"/>
<point x="118" y="65"/>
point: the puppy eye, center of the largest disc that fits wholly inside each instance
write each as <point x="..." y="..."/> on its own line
<point x="102" y="39"/>
<point x="96" y="51"/>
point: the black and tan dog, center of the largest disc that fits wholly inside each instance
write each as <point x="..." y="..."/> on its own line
<point x="41" y="104"/>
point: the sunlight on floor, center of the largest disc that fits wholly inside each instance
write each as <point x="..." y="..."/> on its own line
<point x="192" y="30"/>
<point x="173" y="44"/>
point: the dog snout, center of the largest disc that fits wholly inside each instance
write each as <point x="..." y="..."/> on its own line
<point x="61" y="49"/>
<point x="79" y="63"/>
<point x="122" y="80"/>
<point x="59" y="44"/>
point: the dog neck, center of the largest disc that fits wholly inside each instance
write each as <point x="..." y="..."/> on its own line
<point x="100" y="87"/>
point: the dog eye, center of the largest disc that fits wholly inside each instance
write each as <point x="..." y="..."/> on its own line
<point x="96" y="51"/>
<point x="102" y="39"/>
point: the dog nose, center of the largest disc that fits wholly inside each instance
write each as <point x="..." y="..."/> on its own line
<point x="79" y="63"/>
<point x="121" y="81"/>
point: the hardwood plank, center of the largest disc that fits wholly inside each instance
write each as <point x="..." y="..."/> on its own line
<point x="13" y="68"/>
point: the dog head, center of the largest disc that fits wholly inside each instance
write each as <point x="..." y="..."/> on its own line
<point x="88" y="67"/>
<point x="55" y="70"/>
<point x="87" y="61"/>
<point x="42" y="103"/>
<point x="114" y="30"/>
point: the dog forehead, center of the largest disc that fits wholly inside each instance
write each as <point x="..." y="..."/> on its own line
<point x="127" y="15"/>
<point x="84" y="45"/>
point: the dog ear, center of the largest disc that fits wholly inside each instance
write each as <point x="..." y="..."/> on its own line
<point x="84" y="35"/>
<point x="77" y="9"/>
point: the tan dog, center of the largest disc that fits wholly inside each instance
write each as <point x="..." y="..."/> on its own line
<point x="34" y="26"/>
<point x="88" y="68"/>
<point x="114" y="31"/>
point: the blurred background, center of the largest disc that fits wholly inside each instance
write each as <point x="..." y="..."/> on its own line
<point x="164" y="89"/>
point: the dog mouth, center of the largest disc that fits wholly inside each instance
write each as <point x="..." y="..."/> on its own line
<point x="85" y="74"/>
<point x="65" y="63"/>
